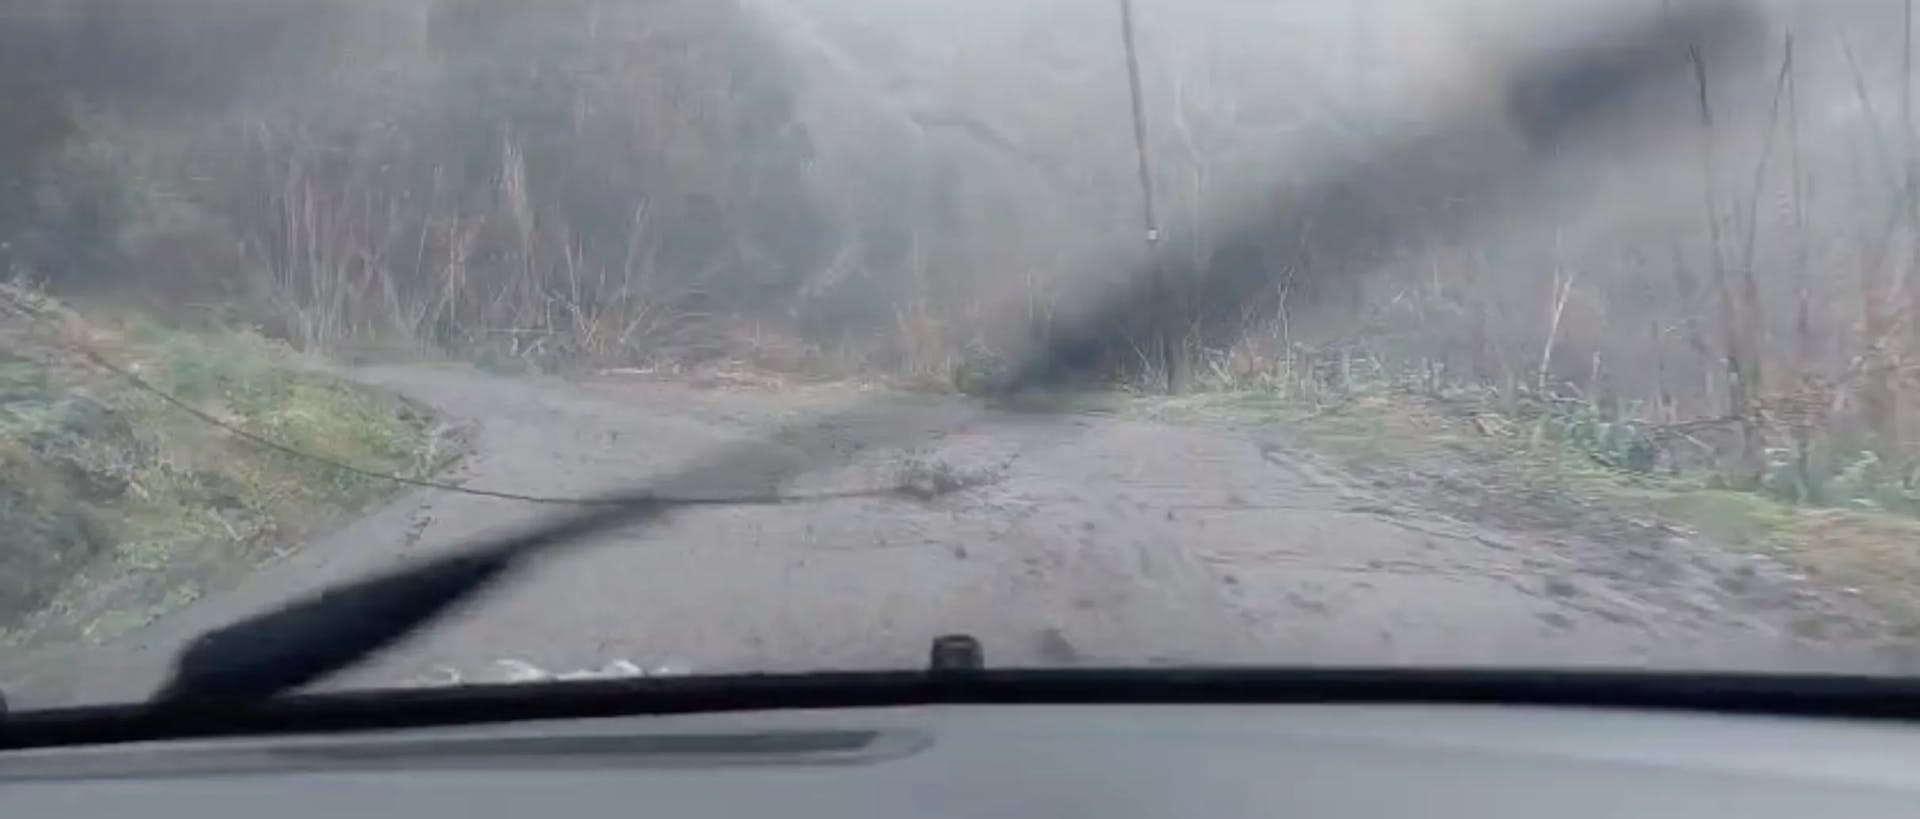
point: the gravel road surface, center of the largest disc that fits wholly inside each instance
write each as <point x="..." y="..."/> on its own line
<point x="1095" y="539"/>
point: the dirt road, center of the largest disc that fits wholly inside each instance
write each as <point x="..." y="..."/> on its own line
<point x="1099" y="540"/>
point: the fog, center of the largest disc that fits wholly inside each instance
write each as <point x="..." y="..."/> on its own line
<point x="907" y="189"/>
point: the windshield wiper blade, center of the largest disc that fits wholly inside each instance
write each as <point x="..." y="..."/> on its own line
<point x="253" y="659"/>
<point x="306" y="640"/>
<point x="315" y="636"/>
<point x="1549" y="99"/>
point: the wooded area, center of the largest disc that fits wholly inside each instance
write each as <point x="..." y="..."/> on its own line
<point x="1729" y="284"/>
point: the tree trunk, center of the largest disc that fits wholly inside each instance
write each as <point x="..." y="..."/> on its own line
<point x="1739" y="309"/>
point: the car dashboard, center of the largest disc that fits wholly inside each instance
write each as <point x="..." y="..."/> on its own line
<point x="1108" y="761"/>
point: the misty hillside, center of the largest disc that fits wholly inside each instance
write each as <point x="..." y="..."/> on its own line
<point x="906" y="190"/>
<point x="1714" y="266"/>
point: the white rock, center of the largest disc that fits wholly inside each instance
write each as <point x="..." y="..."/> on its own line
<point x="519" y="671"/>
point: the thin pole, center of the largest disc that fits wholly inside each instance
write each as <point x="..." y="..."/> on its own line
<point x="1170" y="360"/>
<point x="1139" y="123"/>
<point x="1906" y="108"/>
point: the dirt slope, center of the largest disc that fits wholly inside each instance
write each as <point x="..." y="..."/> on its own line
<point x="1103" y="540"/>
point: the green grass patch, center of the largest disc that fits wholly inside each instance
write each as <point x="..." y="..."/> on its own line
<point x="1727" y="516"/>
<point x="1068" y="401"/>
<point x="125" y="506"/>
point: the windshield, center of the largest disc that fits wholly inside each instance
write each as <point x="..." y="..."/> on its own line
<point x="1378" y="332"/>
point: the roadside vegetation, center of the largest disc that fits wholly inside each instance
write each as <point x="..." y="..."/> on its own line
<point x="1712" y="316"/>
<point x="119" y="506"/>
<point x="1570" y="466"/>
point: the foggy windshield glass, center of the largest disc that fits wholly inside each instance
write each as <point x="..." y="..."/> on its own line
<point x="1431" y="332"/>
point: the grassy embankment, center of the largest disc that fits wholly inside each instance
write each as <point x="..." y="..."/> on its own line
<point x="119" y="507"/>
